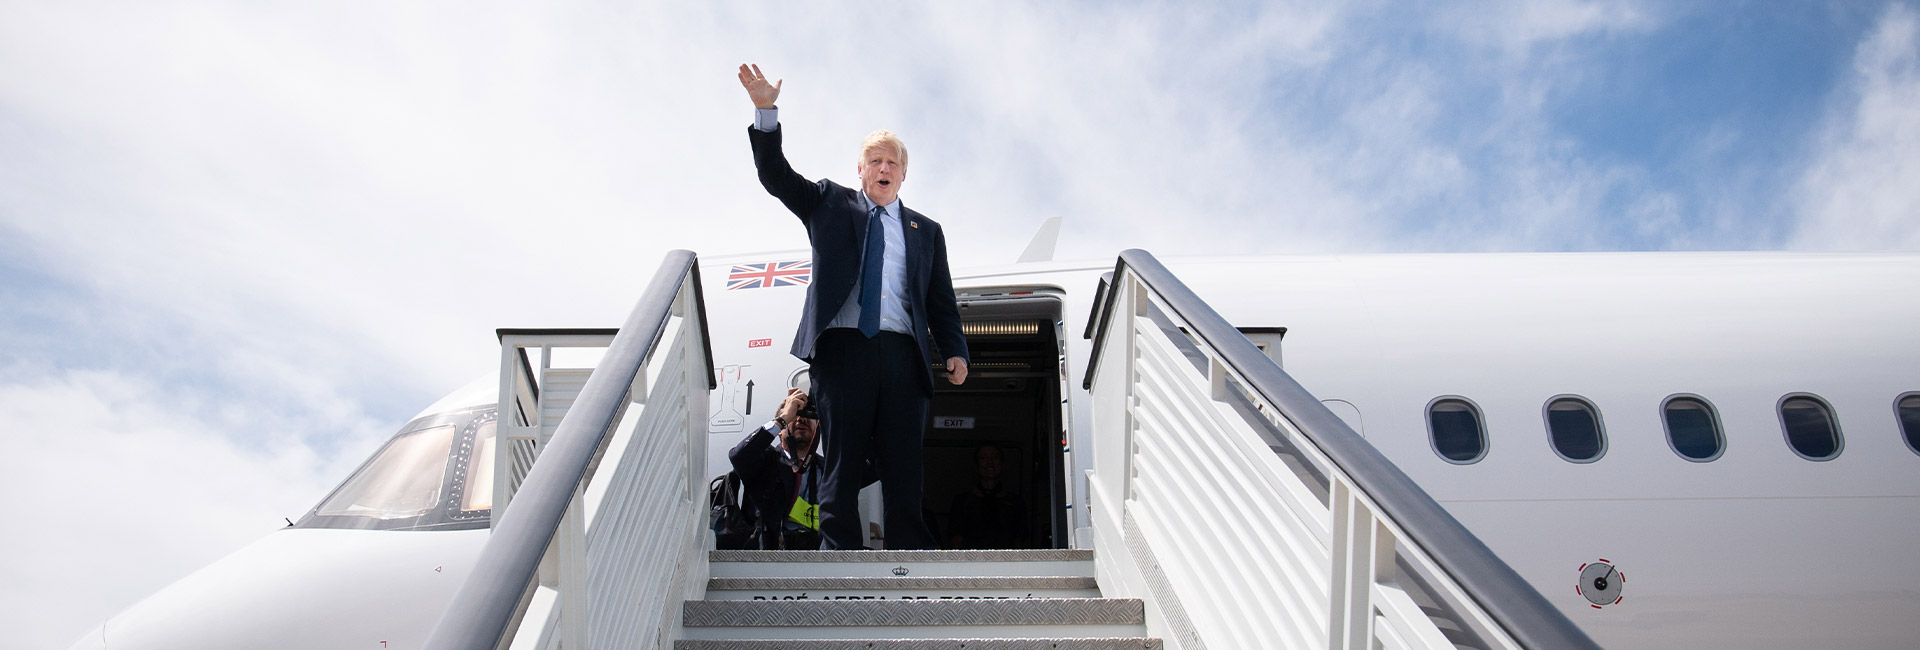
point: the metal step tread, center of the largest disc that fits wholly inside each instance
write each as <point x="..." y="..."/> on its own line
<point x="903" y="613"/>
<point x="1009" y="555"/>
<point x="1097" y="643"/>
<point x="953" y="582"/>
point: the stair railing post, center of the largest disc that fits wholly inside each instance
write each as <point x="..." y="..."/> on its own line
<point x="1216" y="379"/>
<point x="506" y="425"/>
<point x="693" y="345"/>
<point x="1364" y="554"/>
<point x="570" y="542"/>
<point x="1350" y="606"/>
<point x="1136" y="307"/>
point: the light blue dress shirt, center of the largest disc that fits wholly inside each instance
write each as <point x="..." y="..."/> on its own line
<point x="893" y="262"/>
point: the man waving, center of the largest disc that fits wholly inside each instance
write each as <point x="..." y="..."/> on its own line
<point x="880" y="308"/>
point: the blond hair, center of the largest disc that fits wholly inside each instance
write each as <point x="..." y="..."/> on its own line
<point x="879" y="138"/>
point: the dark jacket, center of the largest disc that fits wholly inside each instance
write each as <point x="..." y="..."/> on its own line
<point x="982" y="519"/>
<point x="771" y="486"/>
<point x="836" y="222"/>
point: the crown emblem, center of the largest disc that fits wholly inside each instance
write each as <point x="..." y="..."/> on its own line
<point x="900" y="571"/>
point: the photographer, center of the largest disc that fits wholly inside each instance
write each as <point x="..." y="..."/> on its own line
<point x="780" y="478"/>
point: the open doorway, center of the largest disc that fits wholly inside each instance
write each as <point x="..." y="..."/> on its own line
<point x="1012" y="404"/>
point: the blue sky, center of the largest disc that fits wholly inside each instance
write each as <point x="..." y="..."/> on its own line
<point x="240" y="244"/>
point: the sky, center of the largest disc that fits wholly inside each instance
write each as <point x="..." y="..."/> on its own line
<point x="241" y="243"/>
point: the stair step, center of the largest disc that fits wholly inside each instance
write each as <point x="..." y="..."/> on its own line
<point x="949" y="619"/>
<point x="844" y="613"/>
<point x="936" y="600"/>
<point x="919" y="564"/>
<point x="1059" y="643"/>
<point x="896" y="588"/>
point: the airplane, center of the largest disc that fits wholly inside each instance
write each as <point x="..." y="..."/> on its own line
<point x="1738" y="432"/>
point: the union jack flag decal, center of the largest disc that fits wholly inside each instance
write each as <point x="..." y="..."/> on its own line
<point x="771" y="274"/>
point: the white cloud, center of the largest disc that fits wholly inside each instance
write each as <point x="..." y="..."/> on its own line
<point x="1862" y="188"/>
<point x="116" y="492"/>
<point x="1444" y="139"/>
<point x="1139" y="125"/>
<point x="1519" y="27"/>
<point x="399" y="173"/>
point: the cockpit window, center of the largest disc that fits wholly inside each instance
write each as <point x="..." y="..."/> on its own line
<point x="479" y="492"/>
<point x="403" y="480"/>
<point x="436" y="473"/>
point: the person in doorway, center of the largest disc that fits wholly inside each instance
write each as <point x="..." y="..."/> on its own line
<point x="989" y="515"/>
<point x="880" y="310"/>
<point x="776" y="465"/>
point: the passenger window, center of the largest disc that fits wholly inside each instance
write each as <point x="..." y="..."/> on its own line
<point x="1693" y="429"/>
<point x="1455" y="425"/>
<point x="1909" y="409"/>
<point x="1573" y="426"/>
<point x="1810" y="427"/>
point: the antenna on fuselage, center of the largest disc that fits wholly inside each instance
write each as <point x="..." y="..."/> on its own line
<point x="1041" y="248"/>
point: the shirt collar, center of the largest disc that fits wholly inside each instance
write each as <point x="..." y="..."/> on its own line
<point x="792" y="461"/>
<point x="788" y="455"/>
<point x="893" y="209"/>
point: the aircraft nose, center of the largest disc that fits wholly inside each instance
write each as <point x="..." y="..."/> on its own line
<point x="306" y="589"/>
<point x="95" y="639"/>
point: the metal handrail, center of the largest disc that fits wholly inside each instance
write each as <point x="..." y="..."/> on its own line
<point x="1507" y="599"/>
<point x="494" y="594"/>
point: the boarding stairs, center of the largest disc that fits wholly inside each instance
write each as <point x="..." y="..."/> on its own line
<point x="1218" y="504"/>
<point x="919" y="600"/>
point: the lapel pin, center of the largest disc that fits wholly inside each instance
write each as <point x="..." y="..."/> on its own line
<point x="915" y="224"/>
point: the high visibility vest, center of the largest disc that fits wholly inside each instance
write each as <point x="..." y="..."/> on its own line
<point x="805" y="514"/>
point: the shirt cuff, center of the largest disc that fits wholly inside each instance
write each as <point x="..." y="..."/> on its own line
<point x="767" y="120"/>
<point x="773" y="426"/>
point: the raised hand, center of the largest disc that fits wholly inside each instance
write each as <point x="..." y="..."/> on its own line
<point x="762" y="93"/>
<point x="790" y="407"/>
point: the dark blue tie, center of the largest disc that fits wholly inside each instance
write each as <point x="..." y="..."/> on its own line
<point x="870" y="273"/>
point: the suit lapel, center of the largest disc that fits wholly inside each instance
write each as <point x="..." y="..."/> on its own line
<point x="857" y="205"/>
<point x="910" y="231"/>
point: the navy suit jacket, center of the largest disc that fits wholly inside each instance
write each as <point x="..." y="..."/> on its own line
<point x="836" y="220"/>
<point x="771" y="483"/>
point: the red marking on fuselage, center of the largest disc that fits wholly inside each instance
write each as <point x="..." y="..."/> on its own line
<point x="759" y="343"/>
<point x="1606" y="560"/>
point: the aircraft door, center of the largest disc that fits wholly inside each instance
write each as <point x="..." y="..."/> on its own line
<point x="996" y="463"/>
